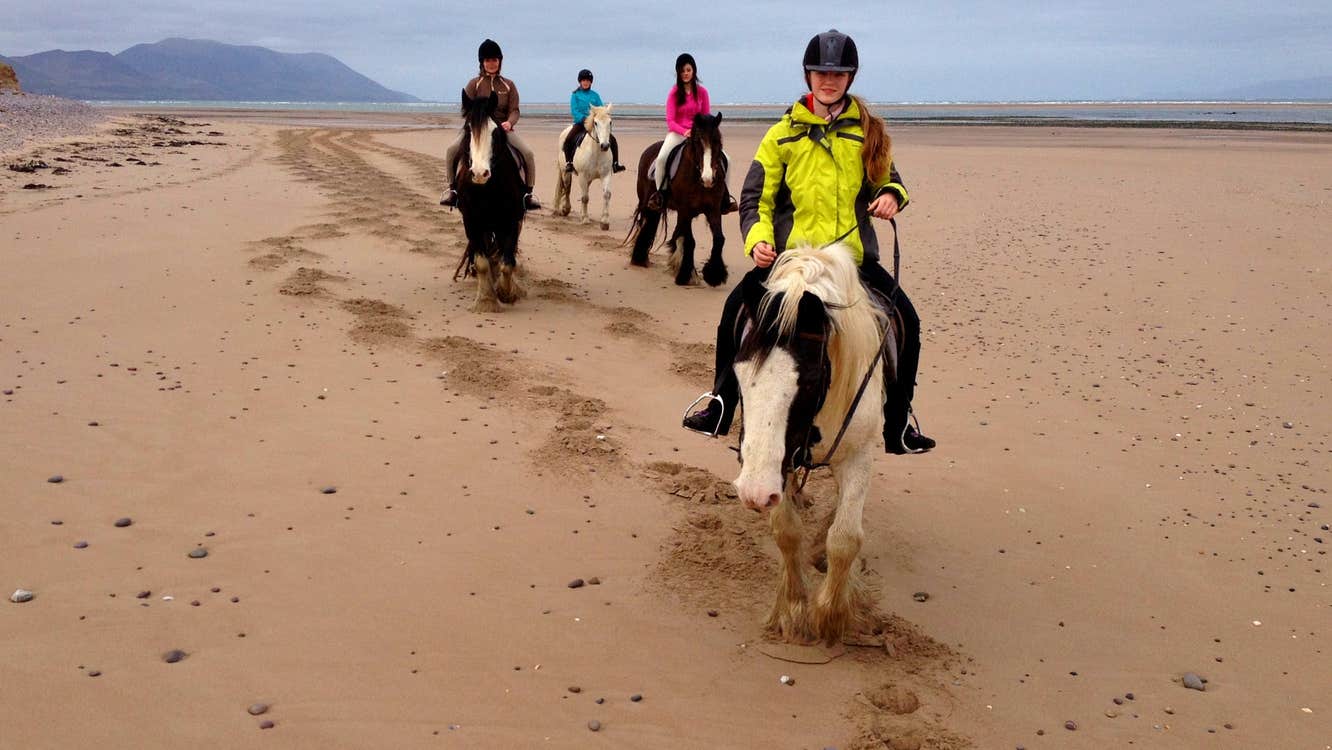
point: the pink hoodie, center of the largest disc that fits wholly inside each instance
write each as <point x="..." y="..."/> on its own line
<point x="680" y="119"/>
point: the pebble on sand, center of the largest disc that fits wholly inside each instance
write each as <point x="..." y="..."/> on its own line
<point x="20" y="596"/>
<point x="198" y="552"/>
<point x="1071" y="726"/>
<point x="329" y="490"/>
<point x="787" y="680"/>
<point x="256" y="709"/>
<point x="921" y="596"/>
<point x="173" y="656"/>
<point x="123" y="522"/>
<point x="57" y="479"/>
<point x="594" y="725"/>
<point x="576" y="583"/>
<point x="1193" y="682"/>
<point x="266" y="724"/>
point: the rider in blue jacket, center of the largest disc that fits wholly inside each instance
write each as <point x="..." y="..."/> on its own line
<point x="581" y="102"/>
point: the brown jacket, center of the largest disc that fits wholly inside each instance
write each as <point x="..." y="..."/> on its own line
<point x="507" y="110"/>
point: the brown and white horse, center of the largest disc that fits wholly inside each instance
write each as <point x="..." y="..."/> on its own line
<point x="816" y="334"/>
<point x="698" y="188"/>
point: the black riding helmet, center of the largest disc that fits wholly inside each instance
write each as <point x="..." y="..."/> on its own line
<point x="584" y="75"/>
<point x="489" y="49"/>
<point x="832" y="52"/>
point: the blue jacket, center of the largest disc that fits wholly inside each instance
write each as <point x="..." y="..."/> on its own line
<point x="581" y="103"/>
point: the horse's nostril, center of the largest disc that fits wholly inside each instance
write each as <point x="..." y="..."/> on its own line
<point x="773" y="499"/>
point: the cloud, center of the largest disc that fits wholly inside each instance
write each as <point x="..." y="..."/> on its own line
<point x="747" y="51"/>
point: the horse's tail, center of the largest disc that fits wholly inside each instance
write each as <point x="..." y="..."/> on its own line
<point x="647" y="225"/>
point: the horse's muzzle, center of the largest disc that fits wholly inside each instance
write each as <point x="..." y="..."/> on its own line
<point x="605" y="147"/>
<point x="479" y="177"/>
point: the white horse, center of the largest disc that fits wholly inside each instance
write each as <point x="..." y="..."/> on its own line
<point x="817" y="333"/>
<point x="592" y="161"/>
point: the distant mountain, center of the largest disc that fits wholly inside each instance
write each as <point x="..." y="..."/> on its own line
<point x="201" y="70"/>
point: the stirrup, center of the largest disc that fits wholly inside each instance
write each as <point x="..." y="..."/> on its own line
<point x="709" y="397"/>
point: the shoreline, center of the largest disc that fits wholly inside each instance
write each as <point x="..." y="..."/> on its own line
<point x="385" y="119"/>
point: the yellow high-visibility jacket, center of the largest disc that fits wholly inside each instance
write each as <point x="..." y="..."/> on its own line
<point x="807" y="184"/>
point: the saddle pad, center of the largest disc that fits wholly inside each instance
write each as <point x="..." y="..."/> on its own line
<point x="672" y="163"/>
<point x="522" y="163"/>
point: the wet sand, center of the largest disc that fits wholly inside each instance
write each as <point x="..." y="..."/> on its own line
<point x="1125" y="363"/>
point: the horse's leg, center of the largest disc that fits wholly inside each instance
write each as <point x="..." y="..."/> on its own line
<point x="647" y="234"/>
<point x="790" y="615"/>
<point x="485" y="285"/>
<point x="714" y="271"/>
<point x="606" y="195"/>
<point x="508" y="289"/>
<point x="686" y="274"/>
<point x="833" y="614"/>
<point x="587" y="186"/>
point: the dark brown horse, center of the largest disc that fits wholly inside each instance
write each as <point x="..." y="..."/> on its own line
<point x="490" y="198"/>
<point x="698" y="188"/>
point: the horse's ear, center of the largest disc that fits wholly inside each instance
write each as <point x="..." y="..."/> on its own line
<point x="608" y="108"/>
<point x="466" y="101"/>
<point x="813" y="315"/>
<point x="719" y="118"/>
<point x="492" y="103"/>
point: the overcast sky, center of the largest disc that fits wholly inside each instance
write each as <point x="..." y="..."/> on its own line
<point x="747" y="51"/>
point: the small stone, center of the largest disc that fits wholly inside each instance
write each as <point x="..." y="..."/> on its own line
<point x="921" y="596"/>
<point x="80" y="545"/>
<point x="256" y="709"/>
<point x="1170" y="710"/>
<point x="173" y="656"/>
<point x="1071" y="726"/>
<point x="95" y="673"/>
<point x="1287" y="425"/>
<point x="266" y="724"/>
<point x="594" y="725"/>
<point x="787" y="680"/>
<point x="1129" y="696"/>
<point x="576" y="583"/>
<point x="636" y="697"/>
<point x="1193" y="682"/>
<point x="198" y="552"/>
<point x="1118" y="701"/>
<point x="594" y="581"/>
<point x="329" y="490"/>
<point x="600" y="701"/>
<point x="57" y="479"/>
<point x="143" y="595"/>
<point x="123" y="522"/>
<point x="20" y="596"/>
<point x="1110" y="713"/>
<point x="575" y="689"/>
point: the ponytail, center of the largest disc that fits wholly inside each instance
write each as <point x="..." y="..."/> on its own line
<point x="877" y="152"/>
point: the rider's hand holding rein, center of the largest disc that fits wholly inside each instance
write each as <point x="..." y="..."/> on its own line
<point x="764" y="254"/>
<point x="884" y="207"/>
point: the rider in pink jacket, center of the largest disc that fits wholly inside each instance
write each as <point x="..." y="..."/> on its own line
<point x="687" y="98"/>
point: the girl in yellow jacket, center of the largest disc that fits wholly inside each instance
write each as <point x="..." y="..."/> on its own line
<point x="818" y="176"/>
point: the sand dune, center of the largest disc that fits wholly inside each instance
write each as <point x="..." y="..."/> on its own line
<point x="244" y="336"/>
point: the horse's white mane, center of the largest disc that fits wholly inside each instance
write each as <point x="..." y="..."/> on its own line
<point x="595" y="113"/>
<point x="830" y="274"/>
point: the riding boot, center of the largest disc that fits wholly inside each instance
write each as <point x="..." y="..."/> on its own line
<point x="569" y="153"/>
<point x="450" y="198"/>
<point x="657" y="200"/>
<point x="616" y="166"/>
<point x="716" y="418"/>
<point x="530" y="202"/>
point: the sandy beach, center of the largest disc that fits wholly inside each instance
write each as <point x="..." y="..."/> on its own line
<point x="240" y="332"/>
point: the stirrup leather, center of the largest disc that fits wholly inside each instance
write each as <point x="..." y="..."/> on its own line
<point x="709" y="396"/>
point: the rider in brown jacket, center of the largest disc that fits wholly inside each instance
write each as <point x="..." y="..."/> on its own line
<point x="491" y="58"/>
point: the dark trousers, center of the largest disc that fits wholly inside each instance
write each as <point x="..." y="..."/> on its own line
<point x="898" y="391"/>
<point x="571" y="144"/>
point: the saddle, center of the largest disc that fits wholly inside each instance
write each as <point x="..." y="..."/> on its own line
<point x="672" y="163"/>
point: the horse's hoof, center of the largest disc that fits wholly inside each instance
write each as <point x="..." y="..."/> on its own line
<point x="714" y="275"/>
<point x="486" y="306"/>
<point x="605" y="226"/>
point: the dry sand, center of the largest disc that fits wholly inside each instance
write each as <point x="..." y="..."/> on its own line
<point x="1125" y="363"/>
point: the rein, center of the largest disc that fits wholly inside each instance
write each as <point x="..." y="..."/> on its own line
<point x="864" y="382"/>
